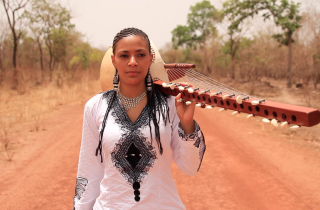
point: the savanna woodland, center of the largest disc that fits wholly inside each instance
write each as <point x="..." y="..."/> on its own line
<point x="266" y="48"/>
<point x="45" y="62"/>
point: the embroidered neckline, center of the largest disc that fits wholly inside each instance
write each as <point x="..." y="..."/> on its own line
<point x="121" y="117"/>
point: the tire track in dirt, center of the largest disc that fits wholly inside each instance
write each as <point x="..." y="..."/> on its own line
<point x="46" y="178"/>
<point x="245" y="166"/>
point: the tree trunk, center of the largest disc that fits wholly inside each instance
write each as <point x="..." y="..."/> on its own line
<point x="316" y="64"/>
<point x="41" y="59"/>
<point x="51" y="60"/>
<point x="205" y="60"/>
<point x="232" y="56"/>
<point x="289" y="82"/>
<point x="234" y="44"/>
<point x="66" y="65"/>
<point x="15" y="81"/>
<point x="233" y="67"/>
<point x="316" y="70"/>
<point x="1" y="63"/>
<point x="1" y="67"/>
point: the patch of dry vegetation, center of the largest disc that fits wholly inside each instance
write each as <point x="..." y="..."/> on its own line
<point x="17" y="109"/>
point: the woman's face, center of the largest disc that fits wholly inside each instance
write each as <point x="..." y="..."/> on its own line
<point x="132" y="59"/>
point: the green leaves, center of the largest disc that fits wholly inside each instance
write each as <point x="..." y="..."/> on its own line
<point x="200" y="26"/>
<point x="285" y="14"/>
<point x="50" y="23"/>
<point x="182" y="35"/>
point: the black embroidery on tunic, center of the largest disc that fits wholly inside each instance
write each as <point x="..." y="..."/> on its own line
<point x="196" y="136"/>
<point x="133" y="155"/>
<point x="201" y="144"/>
<point x="80" y="188"/>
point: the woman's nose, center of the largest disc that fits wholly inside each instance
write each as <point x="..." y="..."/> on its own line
<point x="133" y="61"/>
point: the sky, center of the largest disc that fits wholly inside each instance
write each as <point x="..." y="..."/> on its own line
<point x="101" y="20"/>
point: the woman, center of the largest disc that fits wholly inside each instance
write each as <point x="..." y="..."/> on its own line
<point x="131" y="135"/>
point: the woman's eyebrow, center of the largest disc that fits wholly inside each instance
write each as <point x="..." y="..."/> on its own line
<point x="139" y="50"/>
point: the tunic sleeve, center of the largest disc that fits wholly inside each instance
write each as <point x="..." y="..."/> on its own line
<point x="187" y="149"/>
<point x="90" y="168"/>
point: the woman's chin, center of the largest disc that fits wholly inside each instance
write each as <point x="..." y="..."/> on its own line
<point x="133" y="81"/>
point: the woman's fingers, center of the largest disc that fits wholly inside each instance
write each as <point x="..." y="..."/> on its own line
<point x="179" y="104"/>
<point x="178" y="96"/>
<point x="189" y="111"/>
<point x="185" y="112"/>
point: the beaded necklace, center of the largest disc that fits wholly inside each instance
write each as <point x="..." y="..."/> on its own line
<point x="128" y="103"/>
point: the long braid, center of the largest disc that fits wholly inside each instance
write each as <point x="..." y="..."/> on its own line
<point x="152" y="116"/>
<point x="155" y="97"/>
<point x="99" y="148"/>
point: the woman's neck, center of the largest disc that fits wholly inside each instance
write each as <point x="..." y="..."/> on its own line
<point x="132" y="91"/>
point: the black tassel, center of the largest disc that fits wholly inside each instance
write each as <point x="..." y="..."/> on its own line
<point x="116" y="80"/>
<point x="99" y="148"/>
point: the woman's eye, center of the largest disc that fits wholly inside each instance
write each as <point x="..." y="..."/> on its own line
<point x="123" y="56"/>
<point x="141" y="55"/>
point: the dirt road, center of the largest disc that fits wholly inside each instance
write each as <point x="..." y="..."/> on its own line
<point x="246" y="166"/>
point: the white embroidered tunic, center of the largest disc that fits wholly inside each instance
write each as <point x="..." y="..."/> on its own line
<point x="133" y="174"/>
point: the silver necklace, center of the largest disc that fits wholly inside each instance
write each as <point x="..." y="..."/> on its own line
<point x="128" y="103"/>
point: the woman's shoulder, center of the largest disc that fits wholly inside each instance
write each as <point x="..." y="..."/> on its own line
<point x="96" y="100"/>
<point x="171" y="101"/>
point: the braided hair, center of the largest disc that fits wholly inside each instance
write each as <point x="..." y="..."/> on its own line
<point x="129" y="32"/>
<point x="156" y="101"/>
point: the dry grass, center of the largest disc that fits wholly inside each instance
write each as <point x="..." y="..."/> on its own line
<point x="5" y="127"/>
<point x="29" y="103"/>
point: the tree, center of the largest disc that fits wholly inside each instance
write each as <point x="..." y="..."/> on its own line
<point x="310" y="35"/>
<point x="13" y="10"/>
<point x="235" y="35"/>
<point x="50" y="24"/>
<point x="3" y="37"/>
<point x="37" y="32"/>
<point x="85" y="57"/>
<point x="284" y="13"/>
<point x="200" y="27"/>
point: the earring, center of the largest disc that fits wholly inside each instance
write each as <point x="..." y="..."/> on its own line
<point x="149" y="81"/>
<point x="116" y="80"/>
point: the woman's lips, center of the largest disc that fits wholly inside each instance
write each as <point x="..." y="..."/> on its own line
<point x="133" y="73"/>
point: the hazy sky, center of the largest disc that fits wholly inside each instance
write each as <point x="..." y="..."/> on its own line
<point x="101" y="20"/>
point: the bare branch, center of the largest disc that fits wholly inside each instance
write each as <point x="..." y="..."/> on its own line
<point x="21" y="5"/>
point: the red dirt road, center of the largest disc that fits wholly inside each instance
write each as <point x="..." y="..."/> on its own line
<point x="246" y="166"/>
